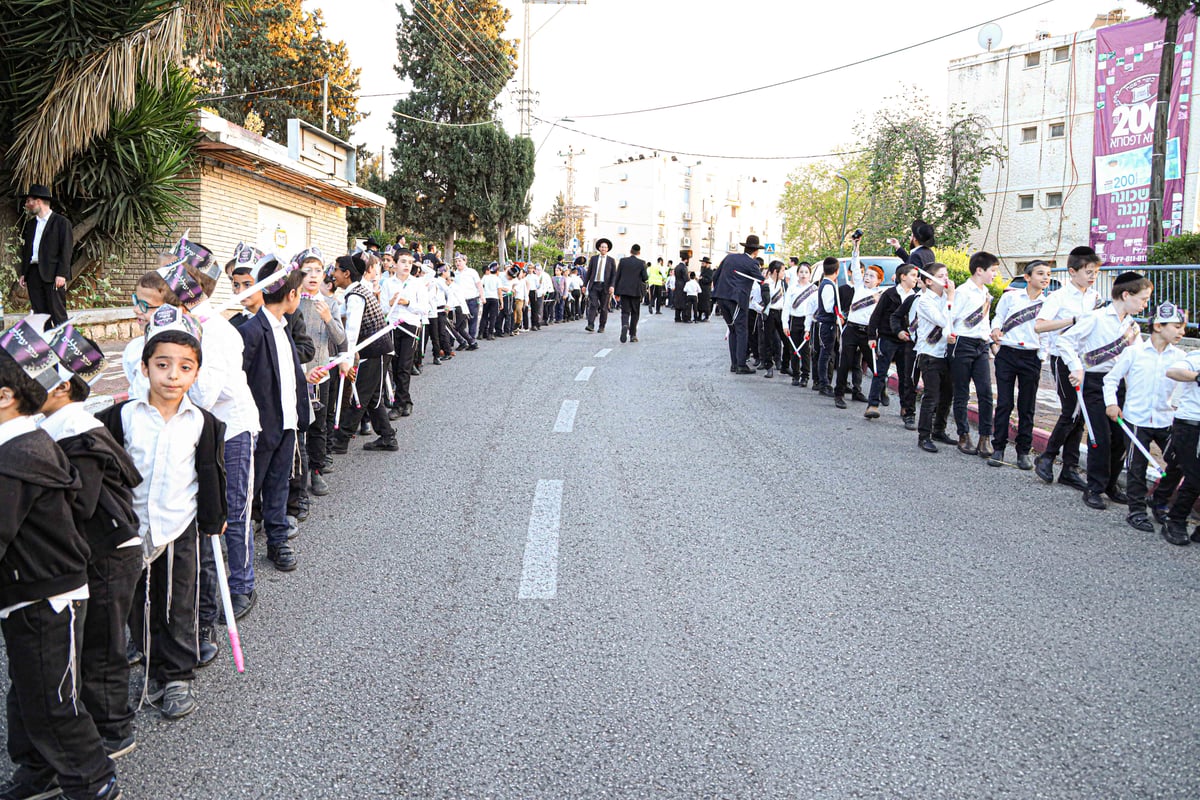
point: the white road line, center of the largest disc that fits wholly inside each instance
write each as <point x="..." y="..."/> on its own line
<point x="539" y="576"/>
<point x="566" y="417"/>
<point x="585" y="373"/>
<point x="604" y="352"/>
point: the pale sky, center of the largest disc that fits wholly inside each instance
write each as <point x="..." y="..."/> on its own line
<point x="618" y="55"/>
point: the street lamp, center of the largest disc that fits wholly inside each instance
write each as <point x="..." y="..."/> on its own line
<point x="846" y="210"/>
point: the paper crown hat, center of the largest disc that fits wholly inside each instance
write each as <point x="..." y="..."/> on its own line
<point x="76" y="353"/>
<point x="246" y="255"/>
<point x="171" y="318"/>
<point x="32" y="354"/>
<point x="197" y="256"/>
<point x="1169" y="312"/>
<point x="270" y="259"/>
<point x="182" y="284"/>
<point x="305" y="255"/>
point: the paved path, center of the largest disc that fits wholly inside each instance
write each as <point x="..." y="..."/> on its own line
<point x="707" y="586"/>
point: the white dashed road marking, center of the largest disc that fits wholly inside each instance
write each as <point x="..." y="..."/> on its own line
<point x="585" y="373"/>
<point x="539" y="576"/>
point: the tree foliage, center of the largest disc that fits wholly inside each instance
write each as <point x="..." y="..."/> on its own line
<point x="924" y="167"/>
<point x="272" y="44"/>
<point x="450" y="179"/>
<point x="813" y="205"/>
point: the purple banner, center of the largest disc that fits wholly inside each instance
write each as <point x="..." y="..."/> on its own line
<point x="1128" y="58"/>
<point x="77" y="353"/>
<point x="32" y="353"/>
<point x="186" y="289"/>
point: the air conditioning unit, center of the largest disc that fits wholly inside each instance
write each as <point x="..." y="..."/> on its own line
<point x="621" y="229"/>
<point x="687" y="216"/>
<point x="685" y="241"/>
<point x="623" y="204"/>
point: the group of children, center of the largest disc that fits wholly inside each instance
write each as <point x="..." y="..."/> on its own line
<point x="1124" y="392"/>
<point x="108" y="521"/>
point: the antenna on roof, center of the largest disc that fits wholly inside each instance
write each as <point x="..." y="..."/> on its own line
<point x="989" y="36"/>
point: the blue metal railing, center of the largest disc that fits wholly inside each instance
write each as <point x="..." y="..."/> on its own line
<point x="1175" y="283"/>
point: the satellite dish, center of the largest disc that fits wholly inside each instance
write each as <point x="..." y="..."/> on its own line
<point x="990" y="35"/>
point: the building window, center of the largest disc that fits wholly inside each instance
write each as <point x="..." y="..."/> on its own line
<point x="1033" y="59"/>
<point x="1024" y="202"/>
<point x="1054" y="200"/>
<point x="1058" y="130"/>
<point x="733" y="212"/>
<point x="1029" y="134"/>
<point x="1061" y="54"/>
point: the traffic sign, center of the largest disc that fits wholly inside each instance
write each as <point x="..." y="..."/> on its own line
<point x="769" y="248"/>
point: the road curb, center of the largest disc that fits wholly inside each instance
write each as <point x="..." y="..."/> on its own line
<point x="1040" y="435"/>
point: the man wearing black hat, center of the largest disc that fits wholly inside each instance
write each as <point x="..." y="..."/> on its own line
<point x="922" y="243"/>
<point x="704" y="308"/>
<point x="628" y="285"/>
<point x="45" y="256"/>
<point x="599" y="284"/>
<point x="679" y="296"/>
<point x="736" y="276"/>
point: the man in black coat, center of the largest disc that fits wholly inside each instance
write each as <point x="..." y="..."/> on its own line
<point x="704" y="307"/>
<point x="45" y="256"/>
<point x="598" y="284"/>
<point x="679" y="297"/>
<point x="735" y="277"/>
<point x="629" y="284"/>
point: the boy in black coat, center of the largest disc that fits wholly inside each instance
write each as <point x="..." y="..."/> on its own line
<point x="43" y="601"/>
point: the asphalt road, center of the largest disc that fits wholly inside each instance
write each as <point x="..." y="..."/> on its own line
<point x="753" y="595"/>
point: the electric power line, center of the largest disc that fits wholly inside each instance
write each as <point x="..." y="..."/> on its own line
<point x="447" y="124"/>
<point x="259" y="91"/>
<point x="811" y="74"/>
<point x="487" y="73"/>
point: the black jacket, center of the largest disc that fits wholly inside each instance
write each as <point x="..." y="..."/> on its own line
<point x="212" y="507"/>
<point x="42" y="553"/>
<point x="54" y="250"/>
<point x="259" y="362"/>
<point x="631" y="277"/>
<point x="610" y="269"/>
<point x="306" y="349"/>
<point x="729" y="285"/>
<point x="681" y="278"/>
<point x="901" y="318"/>
<point x="103" y="507"/>
<point x="880" y="326"/>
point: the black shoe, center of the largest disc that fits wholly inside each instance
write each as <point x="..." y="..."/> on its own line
<point x="115" y="748"/>
<point x="1094" y="500"/>
<point x="910" y="423"/>
<point x="1044" y="468"/>
<point x="997" y="458"/>
<point x="633" y="338"/>
<point x="744" y="370"/>
<point x="884" y="399"/>
<point x="624" y="335"/>
<point x="415" y="370"/>
<point x="926" y="444"/>
<point x="601" y="329"/>
<point x="208" y="645"/>
<point x="965" y="447"/>
<point x="382" y="445"/>
<point x="1174" y="532"/>
<point x="339" y="448"/>
<point x="1139" y="521"/>
<point x="1160" y="513"/>
<point x="36" y="789"/>
<point x="393" y="414"/>
<point x="317" y="484"/>
<point x="1070" y="477"/>
<point x="1024" y="461"/>
<point x="282" y="557"/>
<point x="364" y="428"/>
<point x="803" y="382"/>
<point x="839" y="401"/>
<point x="589" y="328"/>
<point x="132" y="655"/>
<point x="795" y="381"/>
<point x="1117" y="495"/>
<point x="1196" y="534"/>
<point x="770" y="373"/>
<point x="826" y="391"/>
<point x="406" y="410"/>
<point x="243" y="603"/>
<point x="437" y="361"/>
<point x="940" y="436"/>
<point x="858" y="397"/>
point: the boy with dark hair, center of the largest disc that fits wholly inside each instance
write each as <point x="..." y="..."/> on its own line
<point x="364" y="318"/>
<point x="798" y="305"/>
<point x="1018" y="363"/>
<point x="1089" y="349"/>
<point x="933" y="324"/>
<point x="103" y="513"/>
<point x="970" y="337"/>
<point x="1059" y="312"/>
<point x="1147" y="411"/>
<point x="825" y="316"/>
<point x="277" y="382"/>
<point x="179" y="450"/>
<point x="864" y="294"/>
<point x="892" y="344"/>
<point x="52" y="738"/>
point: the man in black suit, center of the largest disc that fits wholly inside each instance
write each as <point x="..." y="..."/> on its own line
<point x="45" y="256"/>
<point x="629" y="284"/>
<point x="280" y="391"/>
<point x="679" y="297"/>
<point x="599" y="284"/>
<point x="735" y="277"/>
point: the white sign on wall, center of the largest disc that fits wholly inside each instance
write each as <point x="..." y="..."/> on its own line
<point x="280" y="231"/>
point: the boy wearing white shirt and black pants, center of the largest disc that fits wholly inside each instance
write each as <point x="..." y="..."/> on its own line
<point x="1147" y="408"/>
<point x="1185" y="445"/>
<point x="1090" y="349"/>
<point x="855" y="337"/>
<point x="1018" y="363"/>
<point x="970" y="340"/>
<point x="933" y="325"/>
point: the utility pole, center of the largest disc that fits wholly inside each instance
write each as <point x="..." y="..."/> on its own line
<point x="325" y="104"/>
<point x="570" y="212"/>
<point x="383" y="174"/>
<point x="525" y="94"/>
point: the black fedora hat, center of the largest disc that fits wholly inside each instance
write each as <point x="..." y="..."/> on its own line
<point x="706" y="260"/>
<point x="751" y="244"/>
<point x="601" y="241"/>
<point x="39" y="191"/>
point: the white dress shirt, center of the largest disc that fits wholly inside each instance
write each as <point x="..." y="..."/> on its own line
<point x="468" y="282"/>
<point x="221" y="385"/>
<point x="164" y="452"/>
<point x="862" y="304"/>
<point x="1017" y="313"/>
<point x="970" y="311"/>
<point x="39" y="227"/>
<point x="287" y="370"/>
<point x="807" y="297"/>
<point x="1148" y="390"/>
<point x="491" y="287"/>
<point x="1066" y="303"/>
<point x="1094" y="342"/>
<point x="1187" y="394"/>
<point x="933" y="319"/>
<point x="692" y="288"/>
<point x="131" y="363"/>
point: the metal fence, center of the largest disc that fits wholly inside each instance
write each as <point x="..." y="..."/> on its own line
<point x="1176" y="283"/>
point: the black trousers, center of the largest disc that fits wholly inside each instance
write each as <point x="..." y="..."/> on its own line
<point x="887" y="352"/>
<point x="1135" y="475"/>
<point x="45" y="298"/>
<point x="854" y="350"/>
<point x="737" y="320"/>
<point x="104" y="665"/>
<point x="1185" y="448"/>
<point x="705" y="304"/>
<point x="939" y="392"/>
<point x="631" y="312"/>
<point x="48" y="734"/>
<point x="370" y="394"/>
<point x="1020" y="369"/>
<point x="401" y="364"/>
<point x="597" y="303"/>
<point x="173" y="650"/>
<point x="489" y="328"/>
<point x="799" y="365"/>
<point x="535" y="312"/>
<point x="1105" y="458"/>
<point x="970" y="364"/>
<point x="576" y="304"/>
<point x="1068" y="430"/>
<point x="826" y="334"/>
<point x="316" y="439"/>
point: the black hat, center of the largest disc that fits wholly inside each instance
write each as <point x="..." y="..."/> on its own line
<point x="924" y="234"/>
<point x="351" y="264"/>
<point x="706" y="260"/>
<point x="39" y="191"/>
<point x="601" y="241"/>
<point x="1127" y="277"/>
<point x="751" y="244"/>
<point x="370" y="242"/>
<point x="580" y="261"/>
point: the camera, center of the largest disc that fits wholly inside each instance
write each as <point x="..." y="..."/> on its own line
<point x="858" y="234"/>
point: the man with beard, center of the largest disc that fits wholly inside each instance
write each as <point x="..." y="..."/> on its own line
<point x="681" y="279"/>
<point x="706" y="284"/>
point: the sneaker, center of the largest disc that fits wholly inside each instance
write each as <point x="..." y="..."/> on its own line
<point x="243" y="603"/>
<point x="177" y="700"/>
<point x="1174" y="532"/>
<point x="115" y="748"/>
<point x="293" y="527"/>
<point x="1160" y="513"/>
<point x="317" y="484"/>
<point x="111" y="791"/>
<point x="282" y="556"/>
<point x="910" y="423"/>
<point x="208" y="645"/>
<point x="839" y="401"/>
<point x="383" y="445"/>
<point x="393" y="414"/>
<point x="926" y="444"/>
<point x="132" y="654"/>
<point x="30" y="790"/>
<point x="154" y="690"/>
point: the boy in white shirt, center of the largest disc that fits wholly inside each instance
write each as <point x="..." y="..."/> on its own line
<point x="692" y="290"/>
